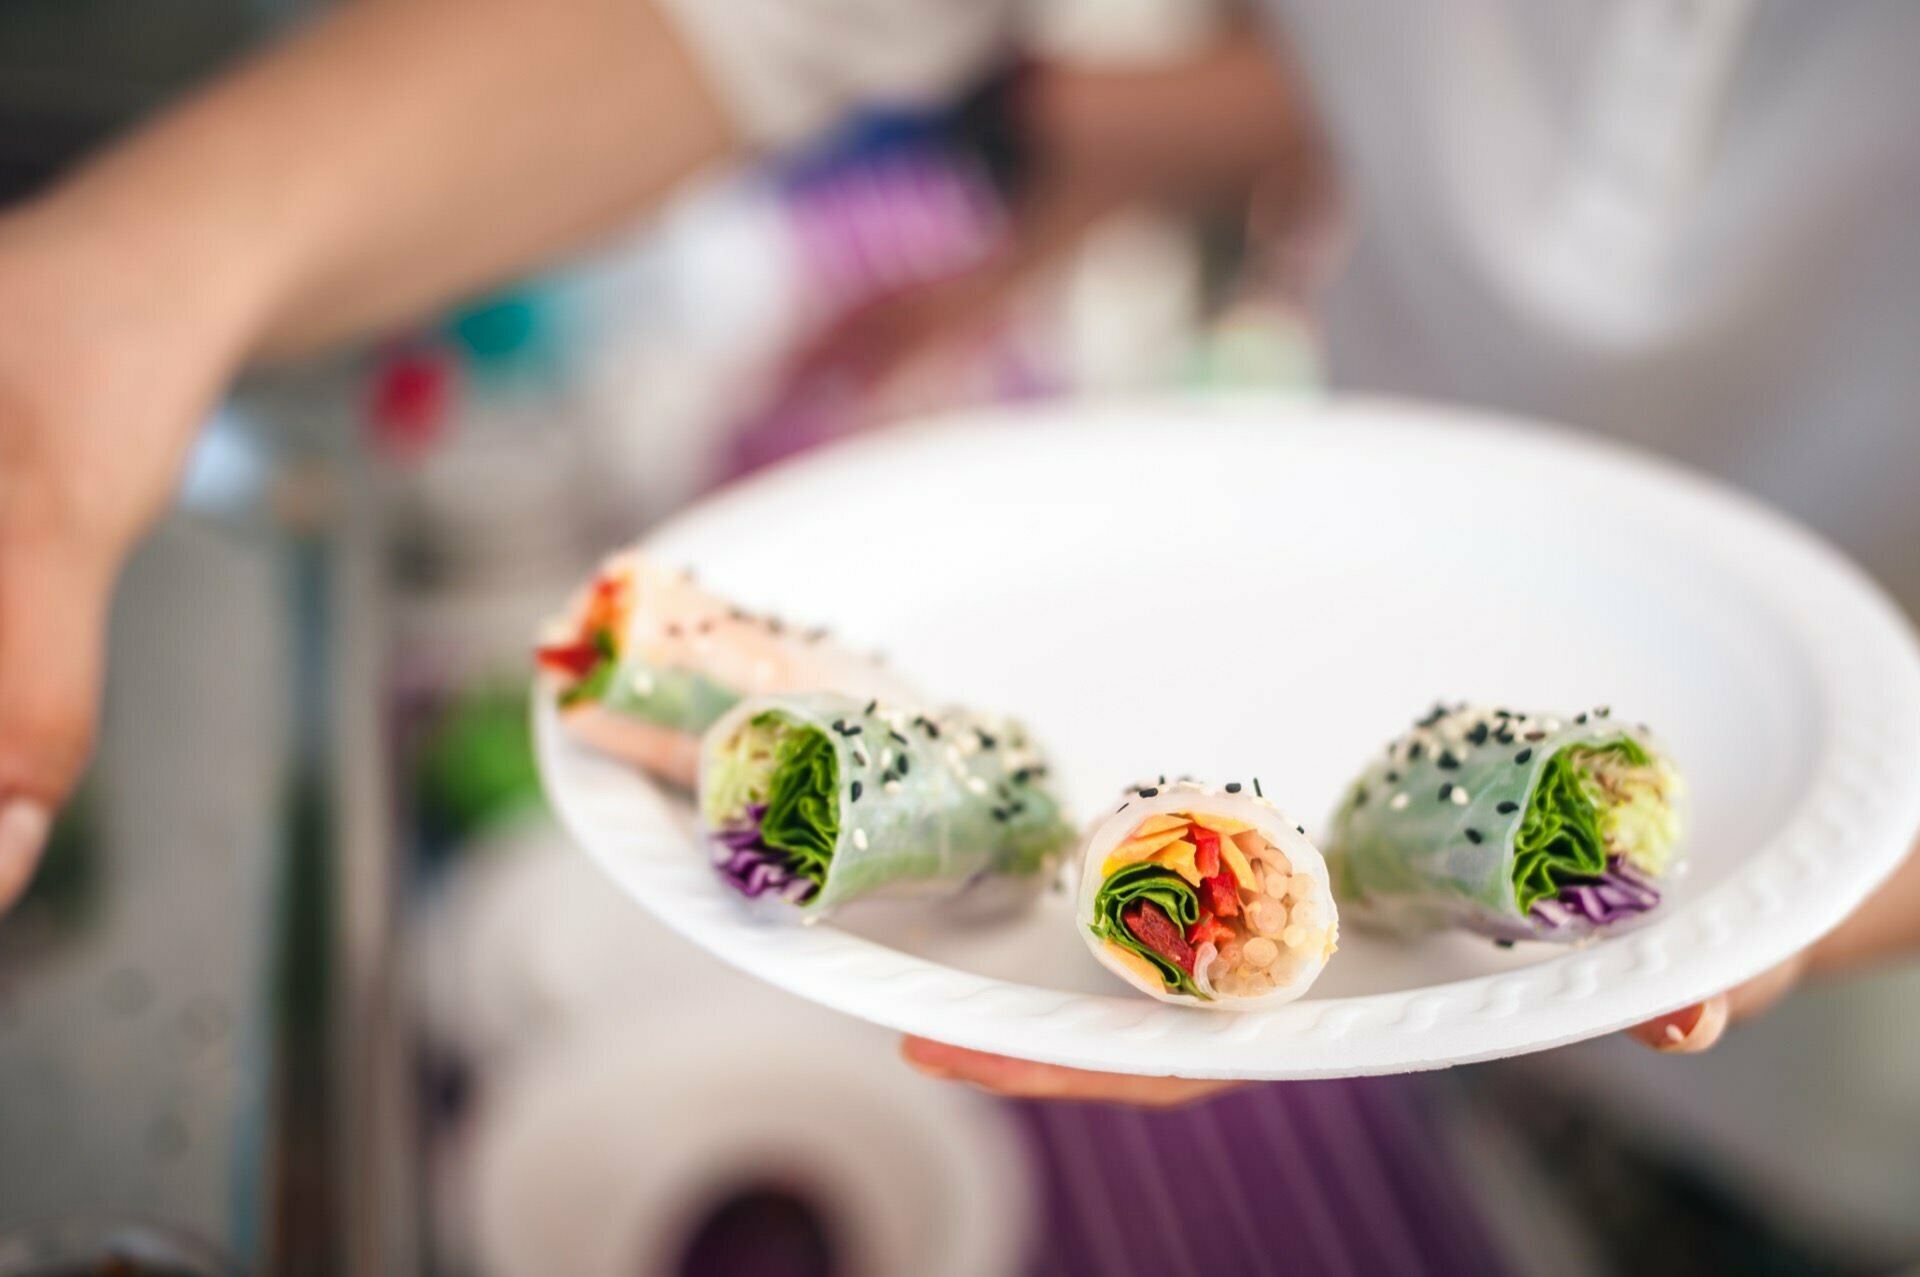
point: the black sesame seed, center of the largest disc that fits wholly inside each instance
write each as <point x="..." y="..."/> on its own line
<point x="1447" y="762"/>
<point x="1446" y="791"/>
<point x="1393" y="778"/>
<point x="854" y="730"/>
<point x="860" y="758"/>
<point x="872" y="706"/>
<point x="1163" y="779"/>
<point x="856" y="791"/>
<point x="1473" y="836"/>
<point x="1536" y="736"/>
<point x="1000" y="814"/>
<point x="840" y="725"/>
<point x="1580" y="718"/>
<point x="902" y="765"/>
<point x="933" y="728"/>
<point x="1504" y="738"/>
<point x="1503" y="944"/>
<point x="1478" y="736"/>
<point x="1360" y="796"/>
<point x="1503" y="713"/>
<point x="1605" y="711"/>
<point x="1148" y="792"/>
<point x="986" y="741"/>
<point x="897" y="737"/>
<point x="1507" y="809"/>
<point x="1233" y="787"/>
<point x="1523" y="757"/>
<point x="1300" y="829"/>
<point x="1256" y="788"/>
<point x="1122" y="807"/>
<point x="1414" y="751"/>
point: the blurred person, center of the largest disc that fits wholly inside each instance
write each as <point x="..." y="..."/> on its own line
<point x="1679" y="221"/>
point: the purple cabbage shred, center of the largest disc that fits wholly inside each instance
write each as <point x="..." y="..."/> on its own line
<point x="755" y="869"/>
<point x="1620" y="893"/>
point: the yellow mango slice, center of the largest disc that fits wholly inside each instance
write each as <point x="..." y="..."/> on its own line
<point x="1111" y="865"/>
<point x="1178" y="856"/>
<point x="1140" y="848"/>
<point x="1220" y="824"/>
<point x="1158" y="825"/>
<point x="1237" y="861"/>
<point x="1139" y="966"/>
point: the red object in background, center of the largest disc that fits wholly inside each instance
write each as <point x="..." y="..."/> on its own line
<point x="412" y="395"/>
<point x="1151" y="927"/>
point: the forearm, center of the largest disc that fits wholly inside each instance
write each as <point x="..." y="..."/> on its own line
<point x="395" y="155"/>
<point x="1197" y="128"/>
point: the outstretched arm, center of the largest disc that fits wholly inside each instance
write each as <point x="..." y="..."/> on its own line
<point x="392" y="156"/>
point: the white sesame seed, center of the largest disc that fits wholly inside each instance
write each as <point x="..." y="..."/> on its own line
<point x="1459" y="796"/>
<point x="890" y="787"/>
<point x="977" y="785"/>
<point x="643" y="682"/>
<point x="860" y="839"/>
<point x="1399" y="802"/>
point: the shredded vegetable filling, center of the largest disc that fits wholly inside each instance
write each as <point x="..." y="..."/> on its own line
<point x="775" y="808"/>
<point x="1600" y="826"/>
<point x="1209" y="906"/>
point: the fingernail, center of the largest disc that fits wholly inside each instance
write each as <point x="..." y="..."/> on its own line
<point x="1693" y="1028"/>
<point x="23" y="832"/>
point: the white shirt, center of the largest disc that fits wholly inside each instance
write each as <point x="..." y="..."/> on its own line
<point x="1688" y="223"/>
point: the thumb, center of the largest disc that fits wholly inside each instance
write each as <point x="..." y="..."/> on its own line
<point x="54" y="592"/>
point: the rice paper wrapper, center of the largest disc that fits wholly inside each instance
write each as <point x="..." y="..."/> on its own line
<point x="1425" y="838"/>
<point x="929" y="802"/>
<point x="1294" y="971"/>
<point x="675" y="658"/>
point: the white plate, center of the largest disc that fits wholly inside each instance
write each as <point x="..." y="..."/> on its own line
<point x="1274" y="589"/>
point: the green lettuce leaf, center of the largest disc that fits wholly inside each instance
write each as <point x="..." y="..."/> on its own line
<point x="803" y="800"/>
<point x="1562" y="836"/>
<point x="1146" y="881"/>
<point x="593" y="687"/>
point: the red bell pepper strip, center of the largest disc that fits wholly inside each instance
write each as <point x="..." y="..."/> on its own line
<point x="1206" y="850"/>
<point x="1208" y="930"/>
<point x="1220" y="894"/>
<point x="572" y="659"/>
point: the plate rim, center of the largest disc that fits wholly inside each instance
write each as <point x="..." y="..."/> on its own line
<point x="1870" y="758"/>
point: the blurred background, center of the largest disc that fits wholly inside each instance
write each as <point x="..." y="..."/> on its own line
<point x="312" y="984"/>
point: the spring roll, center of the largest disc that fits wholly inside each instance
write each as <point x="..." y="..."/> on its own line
<point x="1207" y="897"/>
<point x="819" y="799"/>
<point x="643" y="661"/>
<point x="1517" y="826"/>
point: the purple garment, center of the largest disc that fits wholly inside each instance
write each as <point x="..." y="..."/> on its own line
<point x="1336" y="1178"/>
